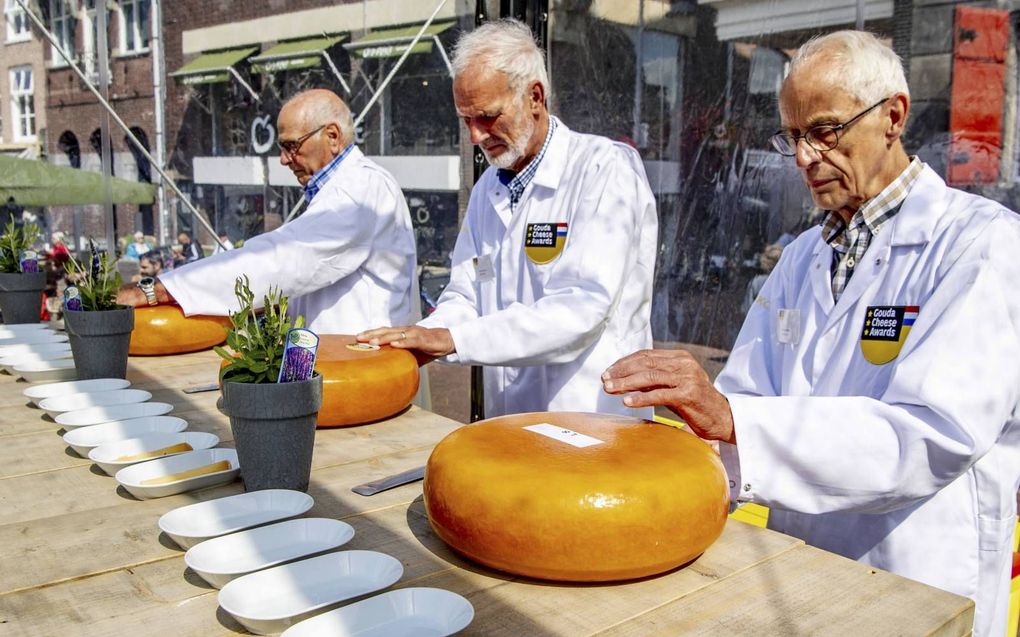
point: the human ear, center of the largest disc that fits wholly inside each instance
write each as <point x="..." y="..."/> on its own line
<point x="536" y="97"/>
<point x="899" y="108"/>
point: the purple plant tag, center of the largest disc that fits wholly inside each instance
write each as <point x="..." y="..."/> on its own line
<point x="72" y="299"/>
<point x="29" y="261"/>
<point x="298" y="355"/>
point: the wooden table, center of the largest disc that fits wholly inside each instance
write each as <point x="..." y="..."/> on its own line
<point x="80" y="556"/>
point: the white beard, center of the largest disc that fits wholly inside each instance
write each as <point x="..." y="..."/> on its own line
<point x="515" y="149"/>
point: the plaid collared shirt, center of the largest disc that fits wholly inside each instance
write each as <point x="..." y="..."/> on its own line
<point x="850" y="243"/>
<point x="517" y="183"/>
<point x="314" y="184"/>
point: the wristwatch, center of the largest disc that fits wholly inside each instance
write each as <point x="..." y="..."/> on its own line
<point x="148" y="287"/>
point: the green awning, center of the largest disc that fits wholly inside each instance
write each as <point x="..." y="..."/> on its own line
<point x="213" y="67"/>
<point x="297" y="54"/>
<point x="33" y="182"/>
<point x="389" y="43"/>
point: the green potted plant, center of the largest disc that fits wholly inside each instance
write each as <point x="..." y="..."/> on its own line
<point x="273" y="422"/>
<point x="21" y="282"/>
<point x="99" y="330"/>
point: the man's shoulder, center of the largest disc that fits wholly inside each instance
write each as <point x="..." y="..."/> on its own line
<point x="360" y="181"/>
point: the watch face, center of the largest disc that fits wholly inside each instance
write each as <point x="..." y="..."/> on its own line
<point x="147" y="281"/>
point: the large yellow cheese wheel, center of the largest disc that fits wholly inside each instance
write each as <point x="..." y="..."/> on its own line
<point x="362" y="385"/>
<point x="645" y="499"/>
<point x="163" y="329"/>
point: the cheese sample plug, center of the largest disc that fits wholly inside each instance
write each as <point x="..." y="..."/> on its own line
<point x="155" y="453"/>
<point x="215" y="467"/>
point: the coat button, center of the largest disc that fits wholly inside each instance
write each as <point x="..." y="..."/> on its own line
<point x="747" y="487"/>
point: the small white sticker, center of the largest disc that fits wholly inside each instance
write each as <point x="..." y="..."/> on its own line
<point x="564" y="435"/>
<point x="788" y="328"/>
<point x="483" y="268"/>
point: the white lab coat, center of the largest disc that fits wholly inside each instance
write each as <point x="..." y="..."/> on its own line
<point x="911" y="466"/>
<point x="547" y="332"/>
<point x="347" y="263"/>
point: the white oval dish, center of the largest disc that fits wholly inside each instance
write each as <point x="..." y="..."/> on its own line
<point x="112" y="413"/>
<point x="39" y="392"/>
<point x="34" y="348"/>
<point x="228" y="557"/>
<point x="135" y="477"/>
<point x="108" y="455"/>
<point x="191" y="524"/>
<point x="33" y="336"/>
<point x="84" y="439"/>
<point x="8" y="363"/>
<point x="269" y="601"/>
<point x="46" y="371"/>
<point x="21" y="327"/>
<point x="72" y="402"/>
<point x="400" y="613"/>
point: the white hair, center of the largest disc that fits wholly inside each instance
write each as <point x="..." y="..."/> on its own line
<point x="858" y="61"/>
<point x="321" y="107"/>
<point x="507" y="46"/>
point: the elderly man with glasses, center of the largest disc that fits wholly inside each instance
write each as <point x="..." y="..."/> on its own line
<point x="347" y="263"/>
<point x="869" y="399"/>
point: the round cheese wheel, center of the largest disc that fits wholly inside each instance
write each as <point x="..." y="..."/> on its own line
<point x="362" y="385"/>
<point x="578" y="497"/>
<point x="163" y="329"/>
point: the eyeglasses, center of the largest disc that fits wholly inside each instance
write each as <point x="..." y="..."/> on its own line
<point x="822" y="138"/>
<point x="291" y="148"/>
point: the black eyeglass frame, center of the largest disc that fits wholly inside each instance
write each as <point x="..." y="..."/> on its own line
<point x="781" y="137"/>
<point x="292" y="148"/>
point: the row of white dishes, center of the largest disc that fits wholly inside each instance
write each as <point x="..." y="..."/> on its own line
<point x="35" y="352"/>
<point x="276" y="572"/>
<point x="147" y="451"/>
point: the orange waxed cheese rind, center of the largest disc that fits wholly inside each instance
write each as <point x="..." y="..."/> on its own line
<point x="162" y="330"/>
<point x="647" y="499"/>
<point x="214" y="467"/>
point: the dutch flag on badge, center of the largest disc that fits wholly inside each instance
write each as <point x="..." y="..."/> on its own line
<point x="910" y="314"/>
<point x="561" y="229"/>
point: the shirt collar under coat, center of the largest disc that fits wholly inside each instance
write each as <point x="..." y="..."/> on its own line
<point x="548" y="174"/>
<point x="915" y="223"/>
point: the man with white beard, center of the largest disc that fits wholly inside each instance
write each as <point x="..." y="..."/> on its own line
<point x="551" y="277"/>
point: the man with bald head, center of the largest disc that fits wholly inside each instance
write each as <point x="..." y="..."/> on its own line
<point x="347" y="263"/>
<point x="870" y="398"/>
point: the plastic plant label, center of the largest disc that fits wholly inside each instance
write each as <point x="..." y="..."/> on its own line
<point x="564" y="435"/>
<point x="29" y="261"/>
<point x="298" y="355"/>
<point x="72" y="298"/>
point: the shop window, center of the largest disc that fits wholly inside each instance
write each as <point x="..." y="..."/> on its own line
<point x="18" y="29"/>
<point x="134" y="26"/>
<point x="62" y="24"/>
<point x="22" y="103"/>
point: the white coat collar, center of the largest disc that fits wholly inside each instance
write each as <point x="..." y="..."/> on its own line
<point x="915" y="222"/>
<point x="555" y="161"/>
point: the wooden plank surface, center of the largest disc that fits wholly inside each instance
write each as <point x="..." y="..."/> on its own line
<point x="83" y="557"/>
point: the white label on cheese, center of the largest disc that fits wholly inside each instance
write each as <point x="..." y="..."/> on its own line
<point x="564" y="435"/>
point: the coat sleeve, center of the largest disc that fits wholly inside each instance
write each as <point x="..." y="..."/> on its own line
<point x="585" y="282"/>
<point x="948" y="400"/>
<point x="332" y="239"/>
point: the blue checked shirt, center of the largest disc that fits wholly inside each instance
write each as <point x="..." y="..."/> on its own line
<point x="849" y="243"/>
<point x="314" y="184"/>
<point x="516" y="184"/>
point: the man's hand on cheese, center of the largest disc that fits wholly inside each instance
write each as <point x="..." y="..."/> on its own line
<point x="674" y="379"/>
<point x="430" y="342"/>
<point x="130" y="295"/>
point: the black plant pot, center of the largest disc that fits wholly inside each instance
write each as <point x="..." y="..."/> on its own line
<point x="274" y="431"/>
<point x="100" y="340"/>
<point x="21" y="296"/>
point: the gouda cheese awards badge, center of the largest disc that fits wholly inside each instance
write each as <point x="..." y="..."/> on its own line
<point x="885" y="329"/>
<point x="543" y="242"/>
